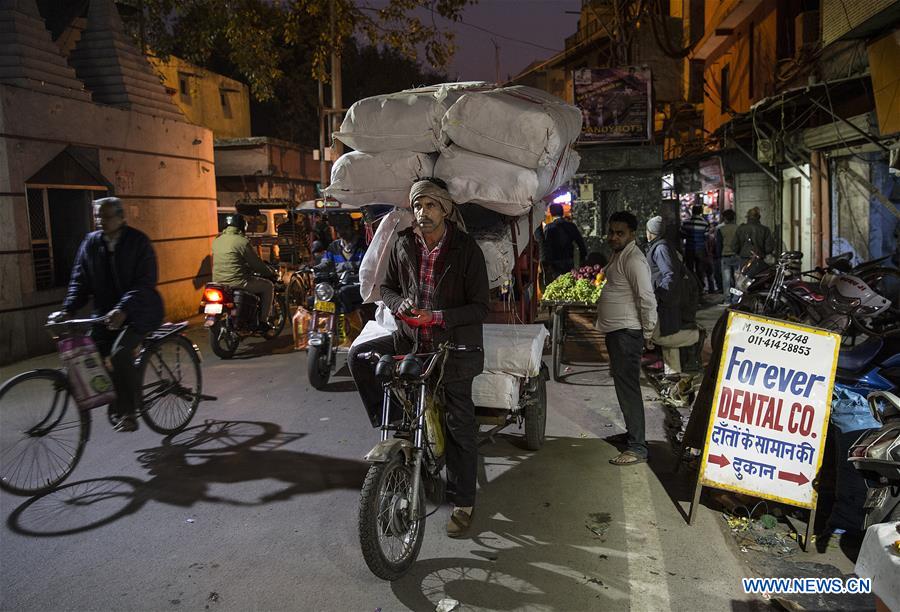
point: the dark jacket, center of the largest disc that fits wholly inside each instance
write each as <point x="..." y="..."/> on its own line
<point x="124" y="280"/>
<point x="561" y="236"/>
<point x="666" y="274"/>
<point x="753" y="236"/>
<point x="462" y="295"/>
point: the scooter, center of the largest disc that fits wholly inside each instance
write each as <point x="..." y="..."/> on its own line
<point x="876" y="454"/>
<point x="233" y="314"/>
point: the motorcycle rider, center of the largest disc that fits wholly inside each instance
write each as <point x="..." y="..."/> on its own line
<point x="346" y="254"/>
<point x="436" y="284"/>
<point x="116" y="265"/>
<point x="235" y="261"/>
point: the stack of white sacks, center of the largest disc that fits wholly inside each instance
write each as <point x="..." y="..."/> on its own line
<point x="504" y="148"/>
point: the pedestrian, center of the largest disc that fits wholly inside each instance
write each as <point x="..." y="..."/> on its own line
<point x="561" y="236"/>
<point x="436" y="285"/>
<point x="626" y="314"/>
<point x="694" y="232"/>
<point x="675" y="327"/>
<point x="730" y="262"/>
<point x="753" y="237"/>
<point x="116" y="266"/>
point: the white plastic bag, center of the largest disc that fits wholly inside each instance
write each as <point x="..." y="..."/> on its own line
<point x="375" y="261"/>
<point x="358" y="179"/>
<point x="522" y="125"/>
<point x="409" y="120"/>
<point x="500" y="185"/>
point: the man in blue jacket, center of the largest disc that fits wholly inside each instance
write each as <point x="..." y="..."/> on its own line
<point x="116" y="265"/>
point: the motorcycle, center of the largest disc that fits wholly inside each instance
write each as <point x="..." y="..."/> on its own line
<point x="233" y="314"/>
<point x="329" y="321"/>
<point x="834" y="300"/>
<point x="406" y="468"/>
<point x="876" y="454"/>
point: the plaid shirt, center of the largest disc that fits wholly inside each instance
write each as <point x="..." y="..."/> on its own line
<point x="427" y="281"/>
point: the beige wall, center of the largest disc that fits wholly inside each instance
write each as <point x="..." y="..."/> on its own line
<point x="162" y="169"/>
<point x="203" y="103"/>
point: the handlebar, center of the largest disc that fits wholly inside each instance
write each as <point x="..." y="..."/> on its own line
<point x="432" y="357"/>
<point x="75" y="324"/>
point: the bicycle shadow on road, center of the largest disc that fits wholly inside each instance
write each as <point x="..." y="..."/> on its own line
<point x="182" y="470"/>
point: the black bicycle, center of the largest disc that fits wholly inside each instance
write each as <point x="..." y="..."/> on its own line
<point x="42" y="429"/>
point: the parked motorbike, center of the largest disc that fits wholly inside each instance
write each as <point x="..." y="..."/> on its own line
<point x="830" y="299"/>
<point x="329" y="321"/>
<point x="233" y="314"/>
<point x="406" y="468"/>
<point x="876" y="454"/>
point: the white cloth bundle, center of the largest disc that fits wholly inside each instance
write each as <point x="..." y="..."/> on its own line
<point x="375" y="261"/>
<point x="522" y="125"/>
<point x="409" y="120"/>
<point x="495" y="390"/>
<point x="358" y="179"/>
<point x="500" y="185"/>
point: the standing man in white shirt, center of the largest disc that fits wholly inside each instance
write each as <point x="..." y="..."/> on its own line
<point x="626" y="314"/>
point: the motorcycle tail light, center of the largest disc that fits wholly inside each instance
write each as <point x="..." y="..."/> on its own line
<point x="213" y="295"/>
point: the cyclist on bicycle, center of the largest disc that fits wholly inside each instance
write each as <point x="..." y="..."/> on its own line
<point x="436" y="284"/>
<point x="235" y="263"/>
<point x="116" y="265"/>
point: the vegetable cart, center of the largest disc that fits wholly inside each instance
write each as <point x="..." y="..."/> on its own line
<point x="560" y="329"/>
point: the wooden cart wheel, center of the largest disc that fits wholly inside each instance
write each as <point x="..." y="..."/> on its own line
<point x="556" y="341"/>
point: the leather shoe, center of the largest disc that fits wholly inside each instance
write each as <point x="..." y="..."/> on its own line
<point x="459" y="523"/>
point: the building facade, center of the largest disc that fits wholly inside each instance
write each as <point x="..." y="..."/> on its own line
<point x="81" y="119"/>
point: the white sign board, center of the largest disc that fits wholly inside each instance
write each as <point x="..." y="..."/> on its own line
<point x="770" y="411"/>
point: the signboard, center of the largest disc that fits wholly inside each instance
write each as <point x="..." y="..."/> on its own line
<point x="615" y="104"/>
<point x="770" y="411"/>
<point x="712" y="174"/>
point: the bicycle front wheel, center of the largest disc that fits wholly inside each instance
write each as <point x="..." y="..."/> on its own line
<point x="42" y="432"/>
<point x="170" y="384"/>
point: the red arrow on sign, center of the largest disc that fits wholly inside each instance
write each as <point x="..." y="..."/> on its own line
<point x="720" y="460"/>
<point x="800" y="479"/>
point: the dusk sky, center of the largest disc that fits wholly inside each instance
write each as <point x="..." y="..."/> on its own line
<point x="544" y="23"/>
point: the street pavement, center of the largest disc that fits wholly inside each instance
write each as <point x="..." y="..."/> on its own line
<point x="254" y="507"/>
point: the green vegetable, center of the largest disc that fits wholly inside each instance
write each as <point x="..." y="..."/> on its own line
<point x="566" y="289"/>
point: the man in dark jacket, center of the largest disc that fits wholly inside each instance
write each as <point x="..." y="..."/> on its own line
<point x="560" y="237"/>
<point x="436" y="285"/>
<point x="675" y="327"/>
<point x="753" y="237"/>
<point x="116" y="265"/>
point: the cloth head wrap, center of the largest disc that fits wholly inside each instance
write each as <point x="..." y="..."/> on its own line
<point x="655" y="226"/>
<point x="440" y="195"/>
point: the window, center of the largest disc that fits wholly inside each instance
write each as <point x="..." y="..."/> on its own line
<point x="226" y="104"/>
<point x="58" y="221"/>
<point x="184" y="87"/>
<point x="724" y="103"/>
<point x="256" y="224"/>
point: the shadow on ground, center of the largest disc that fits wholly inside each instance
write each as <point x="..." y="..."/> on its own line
<point x="182" y="470"/>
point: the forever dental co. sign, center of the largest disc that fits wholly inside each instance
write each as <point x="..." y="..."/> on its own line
<point x="770" y="411"/>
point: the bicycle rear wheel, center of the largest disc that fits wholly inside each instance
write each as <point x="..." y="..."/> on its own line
<point x="171" y="384"/>
<point x="42" y="432"/>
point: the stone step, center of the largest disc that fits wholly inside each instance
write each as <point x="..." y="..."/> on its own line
<point x="107" y="86"/>
<point x="48" y="88"/>
<point x="42" y="70"/>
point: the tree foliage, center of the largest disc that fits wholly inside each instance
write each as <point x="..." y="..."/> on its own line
<point x="367" y="71"/>
<point x="257" y="36"/>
